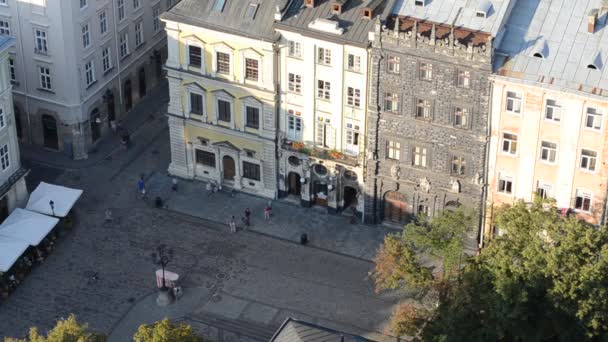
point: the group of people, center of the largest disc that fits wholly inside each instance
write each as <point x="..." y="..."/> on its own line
<point x="246" y="220"/>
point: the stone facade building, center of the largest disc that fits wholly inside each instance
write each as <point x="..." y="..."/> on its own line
<point x="13" y="192"/>
<point x="79" y="66"/>
<point x="428" y="109"/>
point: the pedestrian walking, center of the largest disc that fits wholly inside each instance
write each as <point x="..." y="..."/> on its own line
<point x="232" y="225"/>
<point x="141" y="186"/>
<point x="247" y="217"/>
<point x="267" y="210"/>
<point x="209" y="189"/>
<point x="174" y="185"/>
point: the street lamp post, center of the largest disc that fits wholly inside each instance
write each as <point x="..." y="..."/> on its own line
<point x="52" y="204"/>
<point x="162" y="257"/>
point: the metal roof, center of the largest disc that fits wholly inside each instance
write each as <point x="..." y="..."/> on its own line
<point x="6" y="42"/>
<point x="556" y="32"/>
<point x="355" y="28"/>
<point x="298" y="331"/>
<point x="234" y="17"/>
<point x="461" y="13"/>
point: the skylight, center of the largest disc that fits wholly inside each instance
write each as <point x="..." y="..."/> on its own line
<point x="251" y="10"/>
<point x="219" y="5"/>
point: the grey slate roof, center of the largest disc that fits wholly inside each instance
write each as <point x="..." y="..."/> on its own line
<point x="461" y="13"/>
<point x="298" y="331"/>
<point x="6" y="42"/>
<point x="557" y="29"/>
<point x="356" y="29"/>
<point x="231" y="20"/>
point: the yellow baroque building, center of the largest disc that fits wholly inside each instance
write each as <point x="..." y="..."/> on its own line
<point x="222" y="78"/>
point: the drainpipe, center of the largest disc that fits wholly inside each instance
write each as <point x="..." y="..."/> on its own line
<point x="277" y="111"/>
<point x="117" y="47"/>
<point x="22" y="62"/>
<point x="484" y="196"/>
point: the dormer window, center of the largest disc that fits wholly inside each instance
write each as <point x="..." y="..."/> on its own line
<point x="419" y="3"/>
<point x="592" y="67"/>
<point x="219" y="5"/>
<point x="538" y="55"/>
<point x="480" y="14"/>
<point x="251" y="10"/>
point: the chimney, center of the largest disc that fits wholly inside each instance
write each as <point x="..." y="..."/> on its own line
<point x="592" y="17"/>
<point x="336" y="6"/>
<point x="369" y="9"/>
<point x="310" y="3"/>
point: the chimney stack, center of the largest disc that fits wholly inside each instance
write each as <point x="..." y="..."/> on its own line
<point x="592" y="17"/>
<point x="310" y="3"/>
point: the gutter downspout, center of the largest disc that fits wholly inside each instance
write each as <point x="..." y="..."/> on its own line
<point x="27" y="100"/>
<point x="118" y="60"/>
<point x="277" y="110"/>
<point x="484" y="196"/>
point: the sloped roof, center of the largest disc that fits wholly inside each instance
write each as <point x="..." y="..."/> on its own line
<point x="233" y="18"/>
<point x="298" y="331"/>
<point x="556" y="30"/>
<point x="356" y="29"/>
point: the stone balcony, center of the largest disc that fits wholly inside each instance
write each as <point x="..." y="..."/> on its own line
<point x="320" y="153"/>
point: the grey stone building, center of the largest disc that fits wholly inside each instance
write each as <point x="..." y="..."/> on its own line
<point x="428" y="109"/>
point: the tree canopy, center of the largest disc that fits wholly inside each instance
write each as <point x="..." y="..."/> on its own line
<point x="544" y="278"/>
<point x="165" y="331"/>
<point x="66" y="330"/>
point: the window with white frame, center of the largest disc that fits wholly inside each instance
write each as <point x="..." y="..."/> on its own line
<point x="195" y="56"/>
<point x="204" y="158"/>
<point x="11" y="66"/>
<point x="588" y="160"/>
<point x="45" y="78"/>
<point x="106" y="59"/>
<point x="324" y="133"/>
<point x="139" y="33"/>
<point x="252" y="69"/>
<point x="252" y="117"/>
<point x="393" y="150"/>
<point x="509" y="143"/>
<point x="459" y="165"/>
<point x="553" y="111"/>
<point x="464" y="79"/>
<point x="353" y="97"/>
<point x="425" y="71"/>
<point x="124" y="45"/>
<point x="324" y="56"/>
<point x="41" y="42"/>
<point x="136" y="4"/>
<point x="2" y="119"/>
<point x="505" y="184"/>
<point x="352" y="138"/>
<point x="86" y="35"/>
<point x="419" y="156"/>
<point x="423" y="109"/>
<point x="394" y="64"/>
<point x="391" y="102"/>
<point x="196" y="104"/>
<point x="461" y="117"/>
<point x="251" y="171"/>
<point x="353" y="62"/>
<point x="5" y="27"/>
<point x="593" y="118"/>
<point x="222" y="62"/>
<point x="224" y="110"/>
<point x="5" y="159"/>
<point x="155" y="18"/>
<point x="294" y="49"/>
<point x="548" y="151"/>
<point x="120" y="4"/>
<point x="83" y="4"/>
<point x="294" y="83"/>
<point x="103" y="22"/>
<point x="323" y="90"/>
<point x="89" y="72"/>
<point x="294" y="125"/>
<point x="543" y="190"/>
<point x="513" y="102"/>
<point x="582" y="200"/>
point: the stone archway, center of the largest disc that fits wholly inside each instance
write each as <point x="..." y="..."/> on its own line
<point x="95" y="121"/>
<point x="294" y="185"/>
<point x="141" y="77"/>
<point x="396" y="208"/>
<point x="350" y="197"/>
<point x="229" y="170"/>
<point x="128" y="96"/>
<point x="18" y="126"/>
<point x="50" y="133"/>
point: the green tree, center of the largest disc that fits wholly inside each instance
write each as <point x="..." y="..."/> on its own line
<point x="165" y="331"/>
<point x="544" y="279"/>
<point x="66" y="330"/>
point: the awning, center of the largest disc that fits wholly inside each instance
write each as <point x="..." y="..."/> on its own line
<point x="63" y="199"/>
<point x="27" y="226"/>
<point x="11" y="250"/>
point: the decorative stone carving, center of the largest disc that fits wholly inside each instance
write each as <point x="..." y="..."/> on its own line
<point x="425" y="185"/>
<point x="478" y="179"/>
<point x="455" y="186"/>
<point x="395" y="171"/>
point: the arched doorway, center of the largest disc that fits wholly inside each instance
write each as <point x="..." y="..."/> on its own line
<point x="319" y="189"/>
<point x="396" y="208"/>
<point x="229" y="169"/>
<point x="350" y="197"/>
<point x="95" y="125"/>
<point x="142" y="82"/>
<point x="49" y="132"/>
<point x="128" y="96"/>
<point x="18" y="122"/>
<point x="109" y="98"/>
<point x="452" y="205"/>
<point x="294" y="186"/>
